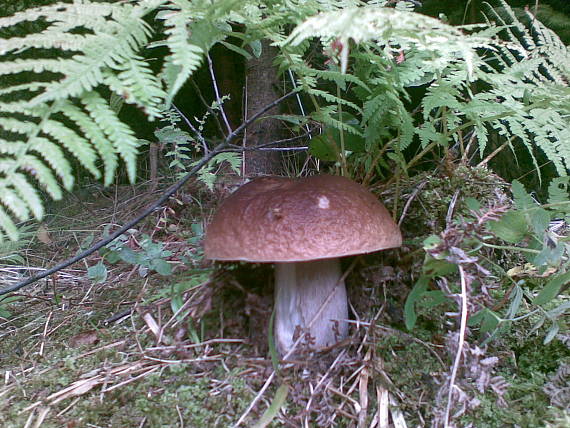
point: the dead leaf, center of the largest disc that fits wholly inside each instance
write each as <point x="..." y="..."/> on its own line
<point x="43" y="235"/>
<point x="90" y="337"/>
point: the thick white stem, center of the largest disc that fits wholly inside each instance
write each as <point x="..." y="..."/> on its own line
<point x="310" y="300"/>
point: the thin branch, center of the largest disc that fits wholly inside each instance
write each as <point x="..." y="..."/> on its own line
<point x="257" y="115"/>
<point x="461" y="340"/>
<point x="299" y="102"/>
<point x="193" y="129"/>
<point x="415" y="193"/>
<point x="208" y="107"/>
<point x="217" y="92"/>
<point x="494" y="153"/>
<point x="129" y="225"/>
<point x="272" y="143"/>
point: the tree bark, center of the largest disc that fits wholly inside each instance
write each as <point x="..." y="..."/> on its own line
<point x="261" y="83"/>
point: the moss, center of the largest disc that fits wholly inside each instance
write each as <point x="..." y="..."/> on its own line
<point x="410" y="366"/>
<point x="528" y="405"/>
<point x="159" y="398"/>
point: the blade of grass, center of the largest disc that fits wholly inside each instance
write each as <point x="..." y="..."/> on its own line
<point x="276" y="404"/>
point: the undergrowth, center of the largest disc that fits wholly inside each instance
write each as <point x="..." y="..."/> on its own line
<point x="466" y="325"/>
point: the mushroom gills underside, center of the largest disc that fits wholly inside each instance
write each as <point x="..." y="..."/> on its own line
<point x="301" y="289"/>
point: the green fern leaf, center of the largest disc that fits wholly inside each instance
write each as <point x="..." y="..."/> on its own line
<point x="325" y="116"/>
<point x="559" y="194"/>
<point x="28" y="193"/>
<point x="43" y="175"/>
<point x="121" y="136"/>
<point x="54" y="156"/>
<point x="523" y="200"/>
<point x="333" y="99"/>
<point x="15" y="204"/>
<point x="96" y="136"/>
<point x="11" y="147"/>
<point x="205" y="174"/>
<point x="6" y="224"/>
<point x="185" y="58"/>
<point x="73" y="142"/>
<point x="440" y="96"/>
<point x="138" y="85"/>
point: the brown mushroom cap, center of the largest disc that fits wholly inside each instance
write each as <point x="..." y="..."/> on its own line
<point x="278" y="219"/>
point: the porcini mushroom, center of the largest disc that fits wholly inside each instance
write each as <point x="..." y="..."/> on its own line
<point x="303" y="226"/>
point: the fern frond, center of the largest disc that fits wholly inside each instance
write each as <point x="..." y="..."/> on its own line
<point x="389" y="27"/>
<point x="37" y="169"/>
<point x="534" y="79"/>
<point x="64" y="13"/>
<point x="96" y="136"/>
<point x="54" y="156"/>
<point x="76" y="144"/>
<point x="558" y="193"/>
<point x="138" y="85"/>
<point x="341" y="79"/>
<point x="516" y="126"/>
<point x="191" y="30"/>
<point x="374" y="106"/>
<point x="439" y="96"/>
<point x="49" y="107"/>
<point x="531" y="47"/>
<point x="35" y="66"/>
<point x="185" y="58"/>
<point x="325" y="116"/>
<point x="15" y="204"/>
<point x="28" y="194"/>
<point x="333" y="99"/>
<point x="122" y="137"/>
<point x="205" y="174"/>
<point x="6" y="223"/>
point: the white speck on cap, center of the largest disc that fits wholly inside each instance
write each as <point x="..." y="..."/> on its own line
<point x="324" y="202"/>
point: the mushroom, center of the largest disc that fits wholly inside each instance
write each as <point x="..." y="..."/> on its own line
<point x="303" y="226"/>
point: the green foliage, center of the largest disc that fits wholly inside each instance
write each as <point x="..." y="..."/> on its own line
<point x="390" y="27"/>
<point x="207" y="174"/>
<point x="544" y="277"/>
<point x="10" y="250"/>
<point x="150" y="256"/>
<point x="481" y="79"/>
<point x="50" y="109"/>
<point x="54" y="75"/>
<point x="529" y="223"/>
<point x="191" y="29"/>
<point x="375" y="55"/>
<point x="62" y="76"/>
<point x="181" y="145"/>
<point x="4" y="302"/>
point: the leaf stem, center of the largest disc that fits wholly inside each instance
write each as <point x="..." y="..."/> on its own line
<point x="511" y="248"/>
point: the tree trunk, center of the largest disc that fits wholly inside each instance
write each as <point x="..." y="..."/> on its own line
<point x="261" y="83"/>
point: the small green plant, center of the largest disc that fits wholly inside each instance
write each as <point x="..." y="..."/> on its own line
<point x="4" y="305"/>
<point x="532" y="228"/>
<point x="148" y="256"/>
<point x="10" y="250"/>
<point x="527" y="233"/>
<point x="183" y="147"/>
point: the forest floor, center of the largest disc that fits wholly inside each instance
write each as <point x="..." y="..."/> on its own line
<point x="128" y="347"/>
